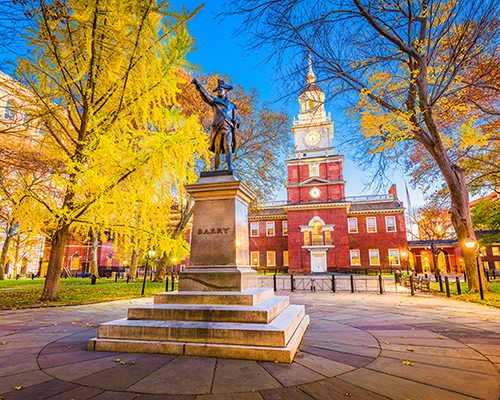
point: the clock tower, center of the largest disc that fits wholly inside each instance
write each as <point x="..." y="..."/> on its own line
<point x="319" y="230"/>
<point x="315" y="171"/>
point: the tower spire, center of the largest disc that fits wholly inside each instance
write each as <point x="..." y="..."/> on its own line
<point x="310" y="77"/>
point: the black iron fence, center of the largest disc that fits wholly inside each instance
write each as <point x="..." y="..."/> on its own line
<point x="334" y="283"/>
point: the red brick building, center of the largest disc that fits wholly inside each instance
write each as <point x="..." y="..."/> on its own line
<point x="318" y="229"/>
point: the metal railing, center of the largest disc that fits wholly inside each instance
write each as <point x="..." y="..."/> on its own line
<point x="332" y="283"/>
<point x="372" y="197"/>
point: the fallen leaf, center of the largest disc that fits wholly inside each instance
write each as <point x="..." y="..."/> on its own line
<point x="410" y="350"/>
<point x="3" y="343"/>
<point x="117" y="360"/>
<point x="407" y="363"/>
<point x="403" y="337"/>
<point x="440" y="337"/>
<point x="58" y="331"/>
<point x="386" y="342"/>
<point x="18" y="387"/>
<point x="70" y="346"/>
<point x="131" y="363"/>
<point x="122" y="362"/>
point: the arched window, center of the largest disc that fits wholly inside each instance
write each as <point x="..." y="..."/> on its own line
<point x="24" y="265"/>
<point x="317" y="234"/>
<point x="9" y="110"/>
<point x="75" y="261"/>
<point x="311" y="105"/>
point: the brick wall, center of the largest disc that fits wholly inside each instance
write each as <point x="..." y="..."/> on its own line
<point x="263" y="243"/>
<point x="381" y="240"/>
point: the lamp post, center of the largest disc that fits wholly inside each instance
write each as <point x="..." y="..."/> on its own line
<point x="433" y="251"/>
<point x="404" y="254"/>
<point x="472" y="244"/>
<point x="151" y="254"/>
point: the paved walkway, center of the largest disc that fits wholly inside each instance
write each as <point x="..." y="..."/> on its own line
<point x="358" y="346"/>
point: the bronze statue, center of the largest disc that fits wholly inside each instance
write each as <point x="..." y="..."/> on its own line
<point x="225" y="123"/>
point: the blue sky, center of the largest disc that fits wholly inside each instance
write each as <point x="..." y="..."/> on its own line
<point x="229" y="57"/>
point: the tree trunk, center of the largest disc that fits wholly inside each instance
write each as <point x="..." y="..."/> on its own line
<point x="461" y="219"/>
<point x="5" y="249"/>
<point x="94" y="263"/>
<point x="133" y="264"/>
<point x="59" y="241"/>
<point x="161" y="268"/>
<point x="16" y="254"/>
<point x="454" y="176"/>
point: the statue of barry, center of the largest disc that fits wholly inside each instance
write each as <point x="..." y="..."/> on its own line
<point x="225" y="123"/>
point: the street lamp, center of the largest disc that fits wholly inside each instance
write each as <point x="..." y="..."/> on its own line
<point x="151" y="254"/>
<point x="432" y="247"/>
<point x="404" y="254"/>
<point x="472" y="244"/>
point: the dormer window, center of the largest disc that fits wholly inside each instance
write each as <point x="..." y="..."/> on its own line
<point x="313" y="170"/>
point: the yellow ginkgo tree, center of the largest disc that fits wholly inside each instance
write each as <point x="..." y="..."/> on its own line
<point x="101" y="84"/>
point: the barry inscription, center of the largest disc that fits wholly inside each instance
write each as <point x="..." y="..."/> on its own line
<point x="213" y="231"/>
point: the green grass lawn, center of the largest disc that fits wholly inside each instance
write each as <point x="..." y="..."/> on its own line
<point x="72" y="291"/>
<point x="490" y="298"/>
<point x="28" y="282"/>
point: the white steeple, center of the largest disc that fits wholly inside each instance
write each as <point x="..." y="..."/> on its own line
<point x="310" y="77"/>
<point x="313" y="130"/>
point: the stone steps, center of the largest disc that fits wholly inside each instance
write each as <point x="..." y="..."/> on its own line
<point x="261" y="353"/>
<point x="247" y="298"/>
<point x="262" y="313"/>
<point x="277" y="333"/>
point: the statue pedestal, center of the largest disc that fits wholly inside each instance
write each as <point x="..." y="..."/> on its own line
<point x="219" y="259"/>
<point x="218" y="311"/>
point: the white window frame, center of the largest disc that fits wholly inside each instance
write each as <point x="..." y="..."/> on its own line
<point x="367" y="224"/>
<point x="353" y="254"/>
<point x="286" y="258"/>
<point x="389" y="217"/>
<point x="349" y="227"/>
<point x="10" y="111"/>
<point x="284" y="226"/>
<point x="269" y="260"/>
<point x="268" y="224"/>
<point x="252" y="253"/>
<point x="252" y="225"/>
<point x="370" y="256"/>
<point x="395" y="256"/>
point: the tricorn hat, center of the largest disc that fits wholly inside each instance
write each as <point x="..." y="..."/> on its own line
<point x="223" y="85"/>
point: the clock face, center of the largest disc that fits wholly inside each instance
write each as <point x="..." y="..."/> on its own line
<point x="312" y="139"/>
<point x="315" y="192"/>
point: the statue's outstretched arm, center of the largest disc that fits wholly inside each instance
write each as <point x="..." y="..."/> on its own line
<point x="207" y="98"/>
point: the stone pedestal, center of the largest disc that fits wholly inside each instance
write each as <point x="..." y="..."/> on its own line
<point x="219" y="259"/>
<point x="218" y="311"/>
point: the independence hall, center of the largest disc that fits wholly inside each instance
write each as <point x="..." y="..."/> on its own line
<point x="318" y="229"/>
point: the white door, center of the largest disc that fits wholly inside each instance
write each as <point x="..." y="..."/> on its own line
<point x="318" y="262"/>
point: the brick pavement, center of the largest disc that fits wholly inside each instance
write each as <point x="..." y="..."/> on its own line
<point x="358" y="346"/>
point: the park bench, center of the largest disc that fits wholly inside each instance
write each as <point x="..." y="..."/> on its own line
<point x="424" y="284"/>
